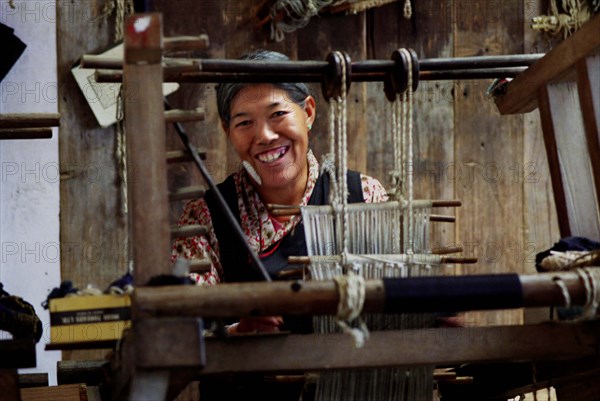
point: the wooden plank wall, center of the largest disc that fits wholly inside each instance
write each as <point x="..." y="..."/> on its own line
<point x="464" y="149"/>
<point x="93" y="229"/>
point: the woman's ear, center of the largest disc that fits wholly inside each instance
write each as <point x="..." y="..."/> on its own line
<point x="310" y="109"/>
<point x="225" y="127"/>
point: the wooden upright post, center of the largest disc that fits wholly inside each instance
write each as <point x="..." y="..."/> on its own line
<point x="146" y="149"/>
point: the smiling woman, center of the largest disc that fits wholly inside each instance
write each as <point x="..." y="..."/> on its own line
<point x="268" y="125"/>
<point x="270" y="133"/>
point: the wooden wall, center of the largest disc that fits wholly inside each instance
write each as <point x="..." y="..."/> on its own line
<point x="464" y="149"/>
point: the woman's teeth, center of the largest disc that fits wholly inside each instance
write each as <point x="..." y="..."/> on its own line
<point x="268" y="157"/>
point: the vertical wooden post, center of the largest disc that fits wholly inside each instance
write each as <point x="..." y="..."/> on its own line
<point x="146" y="149"/>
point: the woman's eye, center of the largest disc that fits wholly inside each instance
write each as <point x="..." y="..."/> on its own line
<point x="279" y="113"/>
<point x="243" y="123"/>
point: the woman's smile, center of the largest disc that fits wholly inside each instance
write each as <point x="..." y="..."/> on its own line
<point x="272" y="155"/>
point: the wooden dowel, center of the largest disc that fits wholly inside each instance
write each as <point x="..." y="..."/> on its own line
<point x="321" y="297"/>
<point x="423" y="258"/>
<point x="25" y="133"/>
<point x="180" y="156"/>
<point x="29" y="120"/>
<point x="295" y="211"/>
<point x="446" y="203"/>
<point x="200" y="266"/>
<point x="181" y="116"/>
<point x="442" y="218"/>
<point x="187" y="193"/>
<point x="446" y="250"/>
<point x="180" y="43"/>
<point x="188" y="231"/>
<point x="90" y="61"/>
<point x="181" y="74"/>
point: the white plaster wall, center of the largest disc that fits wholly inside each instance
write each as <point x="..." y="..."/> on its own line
<point x="29" y="179"/>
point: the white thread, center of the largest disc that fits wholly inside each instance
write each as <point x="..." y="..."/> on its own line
<point x="252" y="172"/>
<point x="565" y="292"/>
<point x="590" y="278"/>
<point x="351" y="293"/>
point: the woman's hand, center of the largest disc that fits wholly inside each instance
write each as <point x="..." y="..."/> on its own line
<point x="263" y="324"/>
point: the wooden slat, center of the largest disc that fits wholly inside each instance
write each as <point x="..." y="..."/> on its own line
<point x="179" y="156"/>
<point x="179" y="43"/>
<point x="553" y="162"/>
<point x="67" y="392"/>
<point x="90" y="372"/>
<point x="29" y="120"/>
<point x="187" y="193"/>
<point x="188" y="231"/>
<point x="521" y="93"/>
<point x="486" y="147"/>
<point x="25" y="133"/>
<point x="174" y="116"/>
<point x="33" y="380"/>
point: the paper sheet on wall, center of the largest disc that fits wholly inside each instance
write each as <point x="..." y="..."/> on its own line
<point x="102" y="97"/>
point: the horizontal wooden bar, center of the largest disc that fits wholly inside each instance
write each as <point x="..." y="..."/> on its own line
<point x="29" y="120"/>
<point x="321" y="297"/>
<point x="182" y="43"/>
<point x="442" y="218"/>
<point x="181" y="156"/>
<point x="25" y="133"/>
<point x="403" y="258"/>
<point x="180" y="74"/>
<point x="399" y="348"/>
<point x="200" y="266"/>
<point x="446" y="250"/>
<point x="188" y="231"/>
<point x="90" y="372"/>
<point x="187" y="193"/>
<point x="522" y="92"/>
<point x="33" y="380"/>
<point x="181" y="116"/>
<point x="311" y="67"/>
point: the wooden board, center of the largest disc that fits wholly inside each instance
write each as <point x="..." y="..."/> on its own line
<point x="92" y="224"/>
<point x="488" y="151"/>
<point x="429" y="33"/>
<point x="540" y="227"/>
<point x="67" y="392"/>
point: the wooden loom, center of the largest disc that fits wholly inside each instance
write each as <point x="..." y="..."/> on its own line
<point x="167" y="347"/>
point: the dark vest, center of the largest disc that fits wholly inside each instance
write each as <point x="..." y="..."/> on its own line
<point x="234" y="258"/>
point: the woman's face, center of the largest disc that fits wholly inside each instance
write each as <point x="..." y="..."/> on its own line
<point x="270" y="131"/>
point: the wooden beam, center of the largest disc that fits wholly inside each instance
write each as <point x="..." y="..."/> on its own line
<point x="521" y="93"/>
<point x="146" y="149"/>
<point x="234" y="300"/>
<point x="404" y="348"/>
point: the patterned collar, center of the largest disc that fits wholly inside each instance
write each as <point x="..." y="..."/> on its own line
<point x="255" y="220"/>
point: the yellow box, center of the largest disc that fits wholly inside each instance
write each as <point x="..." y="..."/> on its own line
<point x="89" y="318"/>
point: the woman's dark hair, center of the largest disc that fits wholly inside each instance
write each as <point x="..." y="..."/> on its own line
<point x="296" y="92"/>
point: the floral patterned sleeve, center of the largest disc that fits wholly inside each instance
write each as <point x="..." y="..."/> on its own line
<point x="199" y="247"/>
<point x="373" y="191"/>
